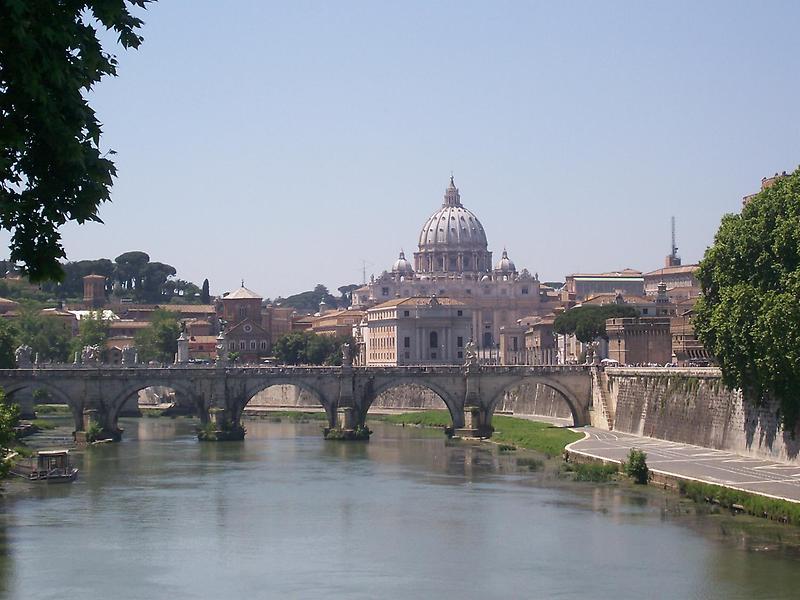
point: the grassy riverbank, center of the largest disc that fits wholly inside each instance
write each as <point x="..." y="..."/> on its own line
<point x="521" y="433"/>
<point x="291" y="416"/>
<point x="752" y="504"/>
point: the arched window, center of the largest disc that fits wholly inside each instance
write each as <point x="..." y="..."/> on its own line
<point x="242" y="312"/>
<point x="252" y="344"/>
<point x="434" y="339"/>
<point x="263" y="344"/>
<point x="242" y="345"/>
<point x="232" y="346"/>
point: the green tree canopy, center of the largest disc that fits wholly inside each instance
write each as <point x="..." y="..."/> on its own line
<point x="92" y="331"/>
<point x="309" y="301"/>
<point x="159" y="342"/>
<point x="9" y="418"/>
<point x="205" y="294"/>
<point x="309" y="348"/>
<point x="44" y="334"/>
<point x="749" y="314"/>
<point x="51" y="167"/>
<point x="8" y="344"/>
<point x="589" y="322"/>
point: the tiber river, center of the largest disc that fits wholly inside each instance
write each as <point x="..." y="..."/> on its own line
<point x="287" y="515"/>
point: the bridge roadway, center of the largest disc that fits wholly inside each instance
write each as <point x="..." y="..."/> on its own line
<point x="220" y="394"/>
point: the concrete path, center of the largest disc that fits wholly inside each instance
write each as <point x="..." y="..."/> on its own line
<point x="779" y="480"/>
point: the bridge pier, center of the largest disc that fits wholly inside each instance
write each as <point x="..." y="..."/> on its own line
<point x="222" y="425"/>
<point x="477" y="423"/>
<point x="97" y="424"/>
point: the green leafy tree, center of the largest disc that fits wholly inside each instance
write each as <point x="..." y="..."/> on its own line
<point x="92" y="331"/>
<point x="8" y="344"/>
<point x="9" y="418"/>
<point x="159" y="342"/>
<point x="205" y="294"/>
<point x="44" y="334"/>
<point x="51" y="167"/>
<point x="748" y="316"/>
<point x="309" y="348"/>
<point x="309" y="301"/>
<point x="589" y="322"/>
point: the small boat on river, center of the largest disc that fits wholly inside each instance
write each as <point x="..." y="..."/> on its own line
<point x="52" y="466"/>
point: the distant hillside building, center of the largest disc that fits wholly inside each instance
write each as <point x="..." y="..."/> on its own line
<point x="766" y="182"/>
<point x="94" y="291"/>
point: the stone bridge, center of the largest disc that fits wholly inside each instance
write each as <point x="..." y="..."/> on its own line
<point x="220" y="394"/>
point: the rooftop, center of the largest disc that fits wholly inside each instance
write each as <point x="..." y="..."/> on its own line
<point x="673" y="270"/>
<point x="418" y="301"/>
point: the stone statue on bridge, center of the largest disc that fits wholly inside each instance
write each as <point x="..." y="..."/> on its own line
<point x="90" y="355"/>
<point x="347" y="358"/>
<point x="471" y="354"/>
<point x="23" y="356"/>
<point x="129" y="355"/>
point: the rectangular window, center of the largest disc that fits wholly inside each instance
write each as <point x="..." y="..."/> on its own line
<point x="433" y="355"/>
<point x="385" y="291"/>
<point x="460" y="342"/>
<point x="469" y="291"/>
<point x="460" y="313"/>
<point x="460" y="354"/>
<point x="406" y="313"/>
<point x="406" y="342"/>
<point x="524" y="291"/>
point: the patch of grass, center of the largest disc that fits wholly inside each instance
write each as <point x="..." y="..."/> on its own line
<point x="52" y="409"/>
<point x="293" y="416"/>
<point x="533" y="435"/>
<point x="428" y="418"/>
<point x="752" y="504"/>
<point x="532" y="464"/>
<point x="505" y="448"/>
<point x="508" y="431"/>
<point x="594" y="472"/>
<point x="43" y="424"/>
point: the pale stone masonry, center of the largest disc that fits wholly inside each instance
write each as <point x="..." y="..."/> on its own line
<point x="416" y="331"/>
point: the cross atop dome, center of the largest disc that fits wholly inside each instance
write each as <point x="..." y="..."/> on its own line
<point x="451" y="195"/>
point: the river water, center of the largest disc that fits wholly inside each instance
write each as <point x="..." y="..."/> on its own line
<point x="407" y="515"/>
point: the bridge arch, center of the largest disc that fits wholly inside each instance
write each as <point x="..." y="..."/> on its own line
<point x="576" y="408"/>
<point x="315" y="391"/>
<point x="12" y="388"/>
<point x="381" y="386"/>
<point x="120" y="398"/>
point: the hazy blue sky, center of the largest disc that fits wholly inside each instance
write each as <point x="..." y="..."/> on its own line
<point x="284" y="143"/>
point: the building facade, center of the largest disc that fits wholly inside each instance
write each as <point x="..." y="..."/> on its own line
<point x="639" y="340"/>
<point x="581" y="286"/>
<point x="415" y="331"/>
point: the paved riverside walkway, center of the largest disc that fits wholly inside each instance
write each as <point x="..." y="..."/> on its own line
<point x="760" y="476"/>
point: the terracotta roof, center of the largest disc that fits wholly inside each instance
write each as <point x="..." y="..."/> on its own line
<point x="241" y="293"/>
<point x="128" y="325"/>
<point x="204" y="339"/>
<point x="188" y="308"/>
<point x="673" y="270"/>
<point x="57" y="312"/>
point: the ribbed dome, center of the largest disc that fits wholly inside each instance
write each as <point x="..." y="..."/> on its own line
<point x="505" y="264"/>
<point x="401" y="265"/>
<point x="452" y="227"/>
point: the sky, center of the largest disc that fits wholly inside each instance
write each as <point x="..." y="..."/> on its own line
<point x="296" y="143"/>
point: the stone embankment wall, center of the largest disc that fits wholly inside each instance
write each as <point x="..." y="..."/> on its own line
<point x="693" y="406"/>
<point x="524" y="399"/>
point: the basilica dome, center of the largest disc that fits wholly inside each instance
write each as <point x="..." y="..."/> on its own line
<point x="402" y="266"/>
<point x="505" y="264"/>
<point x="452" y="226"/>
<point x="452" y="240"/>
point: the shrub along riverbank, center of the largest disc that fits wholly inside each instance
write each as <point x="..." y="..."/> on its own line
<point x="521" y="433"/>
